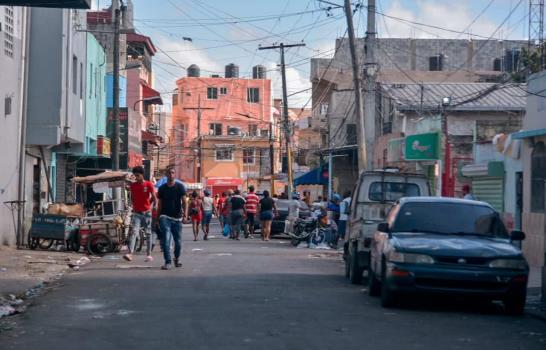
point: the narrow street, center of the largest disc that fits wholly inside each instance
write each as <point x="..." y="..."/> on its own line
<point x="248" y="294"/>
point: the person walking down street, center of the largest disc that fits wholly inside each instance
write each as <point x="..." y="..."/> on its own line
<point x="252" y="201"/>
<point x="343" y="215"/>
<point x="196" y="214"/>
<point x="171" y="210"/>
<point x="208" y="210"/>
<point x="237" y="205"/>
<point x="333" y="207"/>
<point x="467" y="193"/>
<point x="143" y="196"/>
<point x="220" y="209"/>
<point x="267" y="210"/>
<point x="293" y="212"/>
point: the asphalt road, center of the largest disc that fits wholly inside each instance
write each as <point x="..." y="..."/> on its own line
<point x="249" y="295"/>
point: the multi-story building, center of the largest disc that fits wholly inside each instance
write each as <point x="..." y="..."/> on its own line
<point x="56" y="105"/>
<point x="12" y="46"/>
<point x="217" y="108"/>
<point x="400" y="60"/>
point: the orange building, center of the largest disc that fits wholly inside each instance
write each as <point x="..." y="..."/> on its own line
<point x="211" y="109"/>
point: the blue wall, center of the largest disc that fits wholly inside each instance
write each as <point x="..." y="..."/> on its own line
<point x="122" y="92"/>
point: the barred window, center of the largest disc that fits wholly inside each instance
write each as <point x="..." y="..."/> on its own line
<point x="9" y="31"/>
<point x="212" y="93"/>
<point x="253" y="95"/>
<point x="248" y="156"/>
<point x="224" y="154"/>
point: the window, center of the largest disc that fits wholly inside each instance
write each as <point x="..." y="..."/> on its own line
<point x="253" y="95"/>
<point x="223" y="91"/>
<point x="212" y="93"/>
<point x="248" y="156"/>
<point x="323" y="109"/>
<point x="75" y="75"/>
<point x="253" y="130"/>
<point x="81" y="81"/>
<point x="538" y="177"/>
<point x="215" y="129"/>
<point x="224" y="153"/>
<point x="175" y="99"/>
<point x="264" y="133"/>
<point x="91" y="81"/>
<point x="392" y="191"/>
<point x="351" y="134"/>
<point x="9" y="31"/>
<point x="7" y="106"/>
<point x="449" y="218"/>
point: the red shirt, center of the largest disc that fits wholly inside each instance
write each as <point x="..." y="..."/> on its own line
<point x="141" y="194"/>
<point x="252" y="201"/>
<point x="222" y="206"/>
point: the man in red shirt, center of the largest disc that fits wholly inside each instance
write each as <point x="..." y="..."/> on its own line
<point x="143" y="196"/>
<point x="251" y="207"/>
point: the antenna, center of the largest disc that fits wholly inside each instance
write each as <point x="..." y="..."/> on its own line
<point x="536" y="28"/>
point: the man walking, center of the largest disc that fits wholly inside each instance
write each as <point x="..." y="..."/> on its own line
<point x="251" y="207"/>
<point x="343" y="215"/>
<point x="143" y="196"/>
<point x="237" y="209"/>
<point x="171" y="195"/>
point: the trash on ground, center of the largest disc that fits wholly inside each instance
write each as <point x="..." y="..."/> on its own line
<point x="7" y="311"/>
<point x="223" y="254"/>
<point x="3" y="269"/>
<point x="197" y="250"/>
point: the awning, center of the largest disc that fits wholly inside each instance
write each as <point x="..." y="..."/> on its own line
<point x="317" y="176"/>
<point x="150" y="95"/>
<point x="224" y="181"/>
<point x="151" y="138"/>
<point x="528" y="133"/>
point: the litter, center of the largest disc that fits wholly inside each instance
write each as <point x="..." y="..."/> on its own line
<point x="223" y="254"/>
<point x="197" y="250"/>
<point x="7" y="311"/>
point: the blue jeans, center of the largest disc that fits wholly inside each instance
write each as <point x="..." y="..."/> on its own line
<point x="170" y="229"/>
<point x="138" y="221"/>
<point x="236" y="222"/>
<point x="341" y="228"/>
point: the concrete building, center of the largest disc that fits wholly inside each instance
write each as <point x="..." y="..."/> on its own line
<point x="229" y="106"/>
<point x="534" y="177"/>
<point x="13" y="24"/>
<point x="56" y="103"/>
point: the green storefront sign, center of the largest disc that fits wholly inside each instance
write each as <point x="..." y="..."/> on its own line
<point x="423" y="146"/>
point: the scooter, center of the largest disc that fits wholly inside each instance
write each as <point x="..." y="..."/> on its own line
<point x="303" y="230"/>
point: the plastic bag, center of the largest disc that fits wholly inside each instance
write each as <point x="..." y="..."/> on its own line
<point x="226" y="230"/>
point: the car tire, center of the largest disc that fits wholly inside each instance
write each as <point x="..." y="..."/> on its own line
<point x="295" y="241"/>
<point x="515" y="305"/>
<point x="355" y="272"/>
<point x="374" y="286"/>
<point x="388" y="297"/>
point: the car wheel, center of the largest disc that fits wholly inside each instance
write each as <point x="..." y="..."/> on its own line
<point x="355" y="272"/>
<point x="295" y="242"/>
<point x="388" y="297"/>
<point x="374" y="286"/>
<point x="515" y="305"/>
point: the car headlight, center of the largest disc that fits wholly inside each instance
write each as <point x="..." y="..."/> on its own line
<point x="514" y="264"/>
<point x="410" y="258"/>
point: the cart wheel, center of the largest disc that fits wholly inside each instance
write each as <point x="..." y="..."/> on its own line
<point x="100" y="244"/>
<point x="33" y="243"/>
<point x="45" y="244"/>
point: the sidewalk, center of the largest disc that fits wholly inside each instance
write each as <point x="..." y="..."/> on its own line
<point x="23" y="273"/>
<point x="535" y="305"/>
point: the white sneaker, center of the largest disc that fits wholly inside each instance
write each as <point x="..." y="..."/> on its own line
<point x="149" y="258"/>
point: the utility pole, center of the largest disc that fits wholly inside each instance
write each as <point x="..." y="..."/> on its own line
<point x="115" y="93"/>
<point x="271" y="158"/>
<point x="370" y="72"/>
<point x="286" y="120"/>
<point x="199" y="117"/>
<point x="361" y="133"/>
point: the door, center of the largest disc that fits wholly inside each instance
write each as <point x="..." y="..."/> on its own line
<point x="519" y="200"/>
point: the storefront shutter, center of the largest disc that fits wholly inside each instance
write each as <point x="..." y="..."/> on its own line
<point x="490" y="190"/>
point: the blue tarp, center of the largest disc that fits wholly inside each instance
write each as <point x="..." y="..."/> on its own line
<point x="317" y="176"/>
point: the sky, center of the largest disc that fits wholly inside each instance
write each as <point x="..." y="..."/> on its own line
<point x="223" y="32"/>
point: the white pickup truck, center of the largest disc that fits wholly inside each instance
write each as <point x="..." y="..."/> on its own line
<point x="374" y="194"/>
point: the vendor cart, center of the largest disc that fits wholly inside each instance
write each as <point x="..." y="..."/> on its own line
<point x="104" y="227"/>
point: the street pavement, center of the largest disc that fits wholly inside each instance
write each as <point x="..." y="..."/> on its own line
<point x="249" y="295"/>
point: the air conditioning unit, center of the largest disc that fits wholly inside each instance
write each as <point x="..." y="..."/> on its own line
<point x="233" y="131"/>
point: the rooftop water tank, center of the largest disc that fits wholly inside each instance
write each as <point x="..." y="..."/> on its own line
<point x="259" y="72"/>
<point x="194" y="71"/>
<point x="232" y="71"/>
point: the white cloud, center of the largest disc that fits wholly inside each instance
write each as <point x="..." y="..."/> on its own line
<point x="454" y="15"/>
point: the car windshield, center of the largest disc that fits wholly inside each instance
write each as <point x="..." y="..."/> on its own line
<point x="449" y="218"/>
<point x="392" y="191"/>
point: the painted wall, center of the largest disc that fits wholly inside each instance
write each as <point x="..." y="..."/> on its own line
<point x="95" y="116"/>
<point x="10" y="89"/>
<point x="57" y="77"/>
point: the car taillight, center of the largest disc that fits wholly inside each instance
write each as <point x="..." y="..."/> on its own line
<point x="519" y="279"/>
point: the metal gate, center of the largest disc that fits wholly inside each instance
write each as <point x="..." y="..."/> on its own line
<point x="490" y="190"/>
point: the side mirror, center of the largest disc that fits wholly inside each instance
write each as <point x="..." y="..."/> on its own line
<point x="517" y="235"/>
<point x="383" y="227"/>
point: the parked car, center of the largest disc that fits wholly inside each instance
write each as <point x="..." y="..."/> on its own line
<point x="278" y="226"/>
<point x="434" y="245"/>
<point x="374" y="194"/>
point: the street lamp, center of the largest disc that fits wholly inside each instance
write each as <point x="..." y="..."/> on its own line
<point x="446" y="173"/>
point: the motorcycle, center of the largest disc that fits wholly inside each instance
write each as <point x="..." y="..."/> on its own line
<point x="303" y="230"/>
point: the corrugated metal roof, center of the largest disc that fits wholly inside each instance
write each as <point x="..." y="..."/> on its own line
<point x="501" y="97"/>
